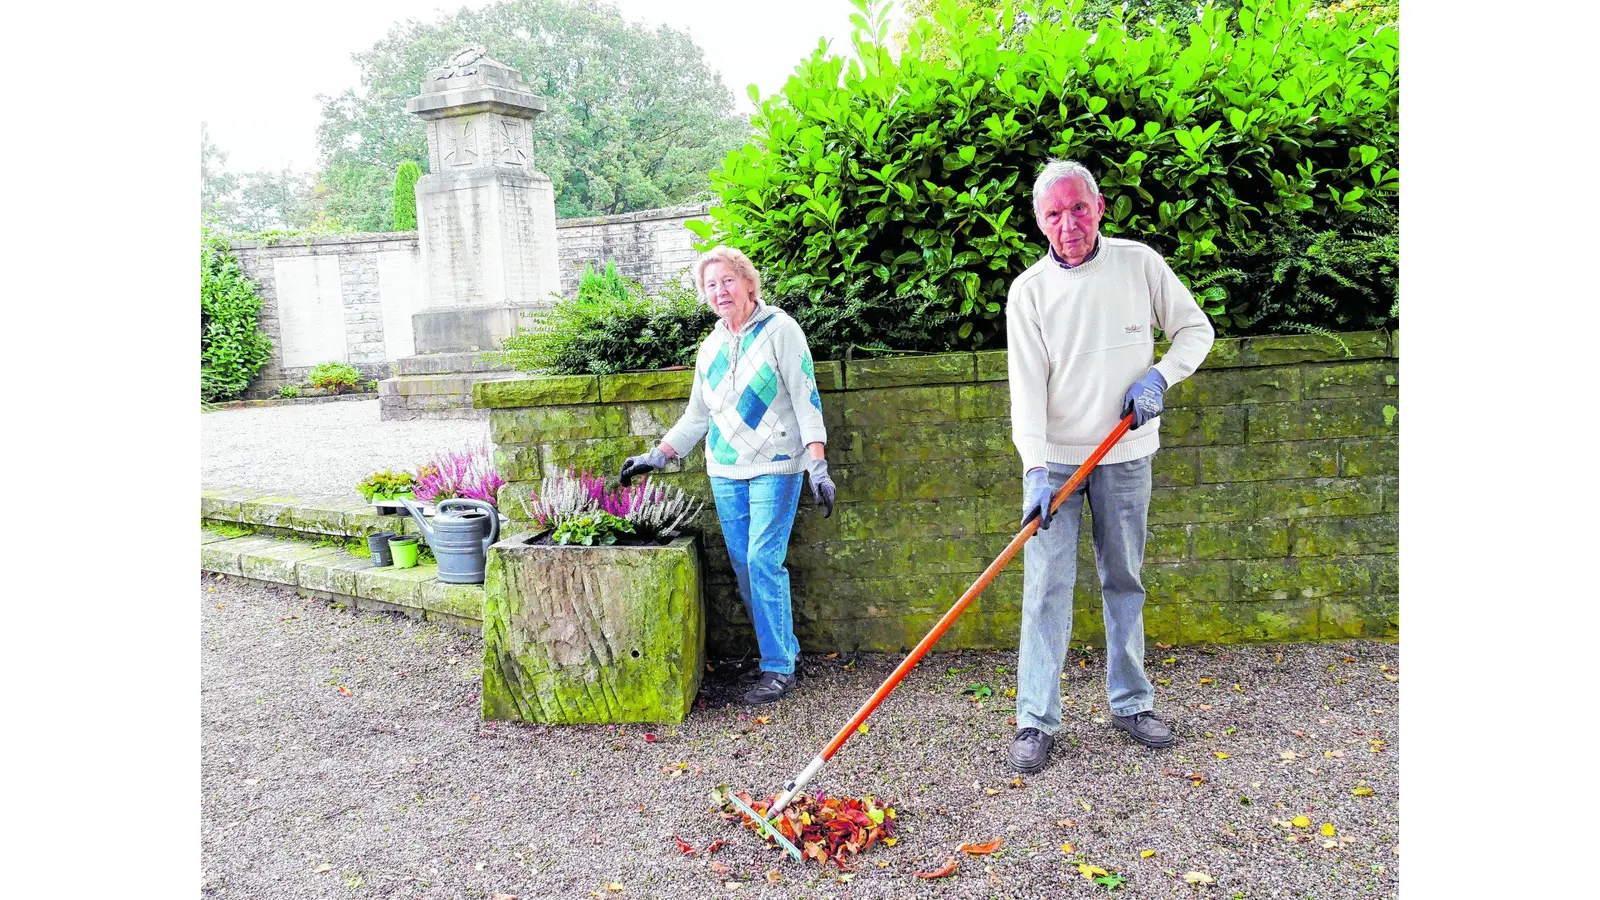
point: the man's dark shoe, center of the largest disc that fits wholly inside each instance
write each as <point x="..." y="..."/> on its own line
<point x="1145" y="728"/>
<point x="1030" y="750"/>
<point x="771" y="687"/>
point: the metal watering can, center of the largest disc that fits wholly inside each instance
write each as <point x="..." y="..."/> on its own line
<point x="460" y="540"/>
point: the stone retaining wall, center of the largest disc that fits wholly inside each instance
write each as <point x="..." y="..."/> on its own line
<point x="1274" y="516"/>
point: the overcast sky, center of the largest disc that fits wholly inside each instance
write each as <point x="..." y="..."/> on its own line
<point x="265" y="64"/>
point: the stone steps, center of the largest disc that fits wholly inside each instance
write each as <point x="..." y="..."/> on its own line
<point x="330" y="573"/>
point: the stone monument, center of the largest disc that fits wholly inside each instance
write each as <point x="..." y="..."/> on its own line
<point x="486" y="218"/>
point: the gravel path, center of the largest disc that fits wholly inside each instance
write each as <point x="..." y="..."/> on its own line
<point x="319" y="448"/>
<point x="399" y="790"/>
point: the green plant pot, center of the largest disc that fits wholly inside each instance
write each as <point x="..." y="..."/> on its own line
<point x="405" y="551"/>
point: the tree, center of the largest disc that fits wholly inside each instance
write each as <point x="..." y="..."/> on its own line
<point x="254" y="201"/>
<point x="636" y="117"/>
<point x="217" y="185"/>
<point x="405" y="196"/>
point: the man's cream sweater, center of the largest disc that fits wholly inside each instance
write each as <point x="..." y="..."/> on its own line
<point x="1078" y="339"/>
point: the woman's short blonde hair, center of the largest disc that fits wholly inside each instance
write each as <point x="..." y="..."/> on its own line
<point x="741" y="265"/>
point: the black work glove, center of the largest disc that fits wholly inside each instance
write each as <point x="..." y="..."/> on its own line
<point x="641" y="465"/>
<point x="822" y="489"/>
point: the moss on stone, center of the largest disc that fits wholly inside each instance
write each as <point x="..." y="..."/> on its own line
<point x="660" y="384"/>
<point x="548" y="390"/>
<point x="939" y="368"/>
<point x="1268" y="462"/>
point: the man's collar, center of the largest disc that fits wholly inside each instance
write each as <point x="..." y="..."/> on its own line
<point x="1095" y="251"/>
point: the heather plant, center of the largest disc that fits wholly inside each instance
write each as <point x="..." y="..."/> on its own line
<point x="461" y="474"/>
<point x="652" y="511"/>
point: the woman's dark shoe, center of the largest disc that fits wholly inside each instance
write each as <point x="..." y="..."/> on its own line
<point x="771" y="687"/>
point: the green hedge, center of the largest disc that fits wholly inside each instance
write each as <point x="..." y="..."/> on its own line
<point x="232" y="349"/>
<point x="1259" y="149"/>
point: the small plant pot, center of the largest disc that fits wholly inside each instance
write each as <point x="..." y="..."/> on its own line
<point x="379" y="545"/>
<point x="405" y="550"/>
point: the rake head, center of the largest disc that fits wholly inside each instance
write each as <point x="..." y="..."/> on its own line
<point x="767" y="828"/>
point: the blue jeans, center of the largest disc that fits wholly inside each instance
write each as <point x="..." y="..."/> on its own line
<point x="756" y="518"/>
<point x="1119" y="501"/>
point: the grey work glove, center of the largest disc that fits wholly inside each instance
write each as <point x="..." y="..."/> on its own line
<point x="642" y="465"/>
<point x="822" y="489"/>
<point x="1036" y="497"/>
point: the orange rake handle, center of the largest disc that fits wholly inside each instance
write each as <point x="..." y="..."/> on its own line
<point x="944" y="623"/>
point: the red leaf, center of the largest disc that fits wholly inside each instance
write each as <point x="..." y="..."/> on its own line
<point x="344" y="691"/>
<point x="716" y="845"/>
<point x="684" y="846"/>
<point x="944" y="871"/>
<point x="719" y="868"/>
<point x="981" y="849"/>
<point x="650" y="738"/>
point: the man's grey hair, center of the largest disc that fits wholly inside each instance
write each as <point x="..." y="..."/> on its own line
<point x="1058" y="170"/>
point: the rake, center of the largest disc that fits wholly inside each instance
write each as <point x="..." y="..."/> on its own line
<point x="794" y="786"/>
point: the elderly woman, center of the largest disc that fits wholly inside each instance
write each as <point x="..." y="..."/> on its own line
<point x="755" y="402"/>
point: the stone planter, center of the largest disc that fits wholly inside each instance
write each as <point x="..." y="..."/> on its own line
<point x="592" y="634"/>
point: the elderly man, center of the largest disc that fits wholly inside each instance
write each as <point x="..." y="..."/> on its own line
<point x="1078" y="327"/>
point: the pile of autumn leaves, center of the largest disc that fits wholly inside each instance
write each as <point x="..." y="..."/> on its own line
<point x="824" y="828"/>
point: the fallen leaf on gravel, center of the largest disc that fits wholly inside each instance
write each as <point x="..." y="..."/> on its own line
<point x="1333" y="754"/>
<point x="1068" y="848"/>
<point x="990" y="792"/>
<point x="1391" y="677"/>
<point x="1016" y="782"/>
<point x="685" y="846"/>
<point x="1089" y="871"/>
<point x="1198" y="878"/>
<point x="889" y="842"/>
<point x="324" y="868"/>
<point x="1066" y="823"/>
<point x="1287" y="756"/>
<point x="980" y="849"/>
<point x="1207" y="680"/>
<point x="1302" y="822"/>
<point x="650" y="738"/>
<point x="1146" y="854"/>
<point x="1329" y="845"/>
<point x="1327" y="829"/>
<point x="1362" y="791"/>
<point x="862" y="728"/>
<point x="715" y="845"/>
<point x="1205" y="707"/>
<point x="774" y="876"/>
<point x="944" y="871"/>
<point x="719" y="868"/>
<point x="614" y="887"/>
<point x="344" y="691"/>
<point x="1085" y="804"/>
<point x="831" y="656"/>
<point x="732" y="885"/>
<point x="1221" y="755"/>
<point x="845" y="877"/>
<point x="762" y="720"/>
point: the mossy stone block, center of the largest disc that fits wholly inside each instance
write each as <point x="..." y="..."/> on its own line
<point x="830" y="376"/>
<point x="1225" y="502"/>
<point x="556" y="423"/>
<point x="991" y="400"/>
<point x="514" y="497"/>
<point x="889" y="406"/>
<point x="1175" y="466"/>
<point x="940" y="368"/>
<point x="654" y="419"/>
<point x="1346" y="536"/>
<point x="993" y="365"/>
<point x="1227" y="387"/>
<point x="1375" y="616"/>
<point x="1237" y="623"/>
<point x="1369" y="456"/>
<point x="1167" y="543"/>
<point x="592" y="634"/>
<point x="1241" y="540"/>
<point x="1200" y="581"/>
<point x="334" y="575"/>
<point x="547" y="390"/>
<point x="661" y="384"/>
<point x="1285" y="349"/>
<point x="603" y="456"/>
<point x="394" y="586"/>
<point x="906" y="443"/>
<point x="1317" y="497"/>
<point x="1305" y="578"/>
<point x="1357" y="417"/>
<point x="273" y="511"/>
<point x="460" y="601"/>
<point x="1195" y="426"/>
<point x="219" y="506"/>
<point x="1368" y="378"/>
<point x="1268" y="462"/>
<point x="518" y="462"/>
<point x="907" y="520"/>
